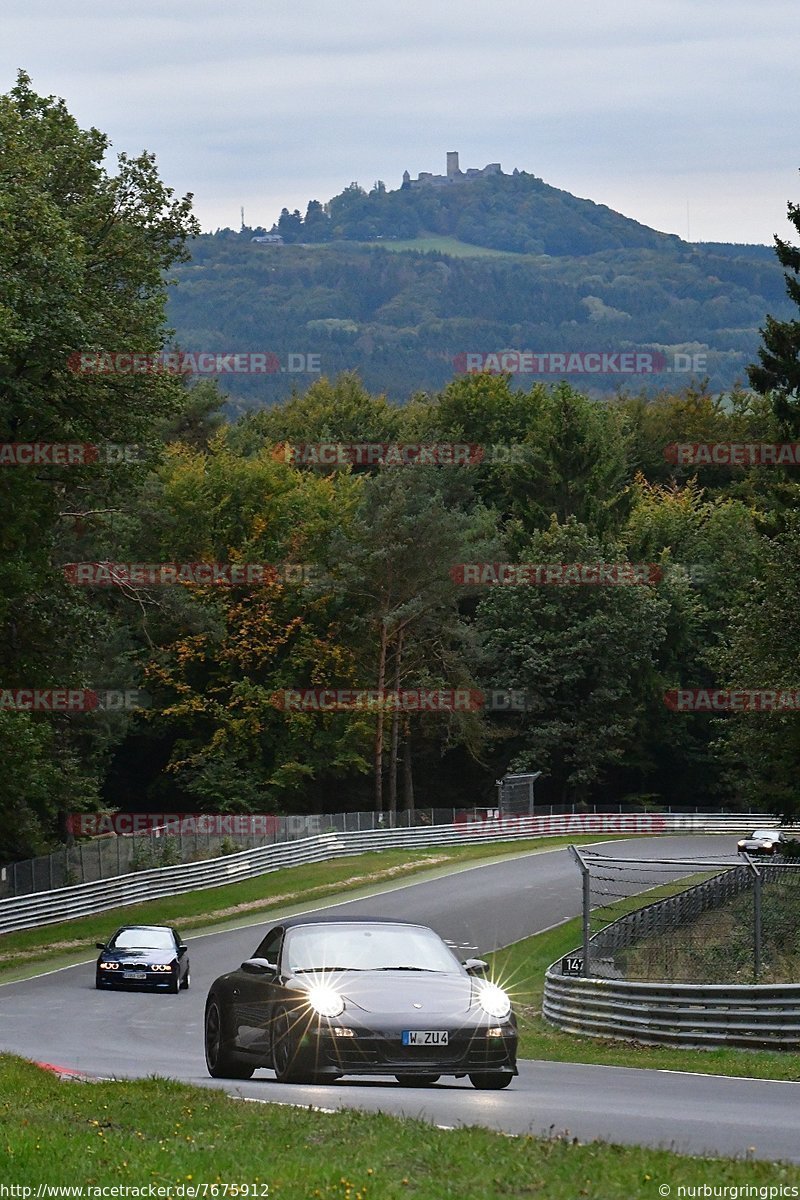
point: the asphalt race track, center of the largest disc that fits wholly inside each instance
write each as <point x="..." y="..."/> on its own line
<point x="60" y="1018"/>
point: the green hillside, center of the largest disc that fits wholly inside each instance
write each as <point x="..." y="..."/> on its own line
<point x="400" y="286"/>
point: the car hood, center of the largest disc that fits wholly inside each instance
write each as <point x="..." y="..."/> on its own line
<point x="138" y="956"/>
<point x="402" y="992"/>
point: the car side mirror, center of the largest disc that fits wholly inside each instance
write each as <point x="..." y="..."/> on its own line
<point x="259" y="966"/>
<point x="476" y="966"/>
<point x="182" y="950"/>
<point x="100" y="945"/>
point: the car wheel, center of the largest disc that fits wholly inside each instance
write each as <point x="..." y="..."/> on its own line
<point x="417" y="1080"/>
<point x="174" y="985"/>
<point x="220" y="1062"/>
<point x="491" y="1082"/>
<point x="187" y="979"/>
<point x="285" y="1052"/>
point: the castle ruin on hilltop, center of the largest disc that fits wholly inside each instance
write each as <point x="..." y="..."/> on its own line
<point x="454" y="174"/>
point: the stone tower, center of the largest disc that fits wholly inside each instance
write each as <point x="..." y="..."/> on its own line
<point x="452" y="164"/>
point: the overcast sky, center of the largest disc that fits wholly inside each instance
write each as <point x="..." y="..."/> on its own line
<point x="680" y="113"/>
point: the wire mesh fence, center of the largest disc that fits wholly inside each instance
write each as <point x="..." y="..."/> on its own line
<point x="690" y="921"/>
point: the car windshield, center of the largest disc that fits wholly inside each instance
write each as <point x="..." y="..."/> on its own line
<point x="367" y="948"/>
<point x="143" y="939"/>
<point x="771" y="834"/>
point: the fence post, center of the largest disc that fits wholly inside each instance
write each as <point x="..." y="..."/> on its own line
<point x="757" y="925"/>
<point x="587" y="882"/>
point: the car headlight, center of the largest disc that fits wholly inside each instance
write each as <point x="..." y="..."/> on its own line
<point x="325" y="1000"/>
<point x="162" y="966"/>
<point x="110" y="966"/>
<point x="494" y="1001"/>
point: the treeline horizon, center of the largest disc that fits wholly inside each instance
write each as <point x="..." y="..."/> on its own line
<point x="388" y="605"/>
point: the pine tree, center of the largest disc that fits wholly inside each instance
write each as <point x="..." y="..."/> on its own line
<point x="779" y="369"/>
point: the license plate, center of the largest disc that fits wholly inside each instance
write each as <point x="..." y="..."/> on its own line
<point x="425" y="1037"/>
<point x="134" y="975"/>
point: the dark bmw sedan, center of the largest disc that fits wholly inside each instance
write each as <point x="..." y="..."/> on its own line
<point x="143" y="956"/>
<point x="326" y="997"/>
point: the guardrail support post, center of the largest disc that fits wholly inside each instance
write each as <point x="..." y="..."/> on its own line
<point x="587" y="903"/>
<point x="757" y="880"/>
<point x="757" y="926"/>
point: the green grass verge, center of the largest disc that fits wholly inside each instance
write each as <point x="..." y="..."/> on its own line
<point x="166" y="1134"/>
<point x="717" y="946"/>
<point x="444" y="244"/>
<point x="242" y="903"/>
<point x="521" y="969"/>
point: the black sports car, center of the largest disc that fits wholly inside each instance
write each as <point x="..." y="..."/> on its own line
<point x="143" y="956"/>
<point x="326" y="997"/>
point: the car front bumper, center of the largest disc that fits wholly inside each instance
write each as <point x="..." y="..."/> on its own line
<point x="380" y="1051"/>
<point x="153" y="980"/>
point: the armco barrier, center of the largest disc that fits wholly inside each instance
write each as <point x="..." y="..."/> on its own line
<point x="676" y="1014"/>
<point x="46" y="908"/>
<point x="116" y="851"/>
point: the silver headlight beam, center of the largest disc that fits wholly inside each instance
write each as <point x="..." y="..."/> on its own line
<point x="325" y="1000"/>
<point x="494" y="1001"/>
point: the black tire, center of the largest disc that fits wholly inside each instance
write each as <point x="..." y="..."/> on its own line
<point x="493" y="1082"/>
<point x="187" y="979"/>
<point x="417" y="1080"/>
<point x="221" y="1064"/>
<point x="174" y="985"/>
<point x="285" y="1052"/>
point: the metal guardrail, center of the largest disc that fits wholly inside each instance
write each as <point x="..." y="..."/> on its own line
<point x="62" y="904"/>
<point x="601" y="1003"/>
<point x="110" y="855"/>
<point x="677" y="1014"/>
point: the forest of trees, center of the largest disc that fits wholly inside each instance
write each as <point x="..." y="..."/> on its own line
<point x="404" y="319"/>
<point x="380" y="603"/>
<point x="504" y="212"/>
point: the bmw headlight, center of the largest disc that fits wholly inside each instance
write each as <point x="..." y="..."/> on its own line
<point x="109" y="966"/>
<point x="325" y="1000"/>
<point x="494" y="1001"/>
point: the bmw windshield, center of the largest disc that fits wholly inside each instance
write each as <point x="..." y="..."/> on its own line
<point x="142" y="939"/>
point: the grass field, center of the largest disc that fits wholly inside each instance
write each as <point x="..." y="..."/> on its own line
<point x="444" y="244"/>
<point x="169" y="1135"/>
